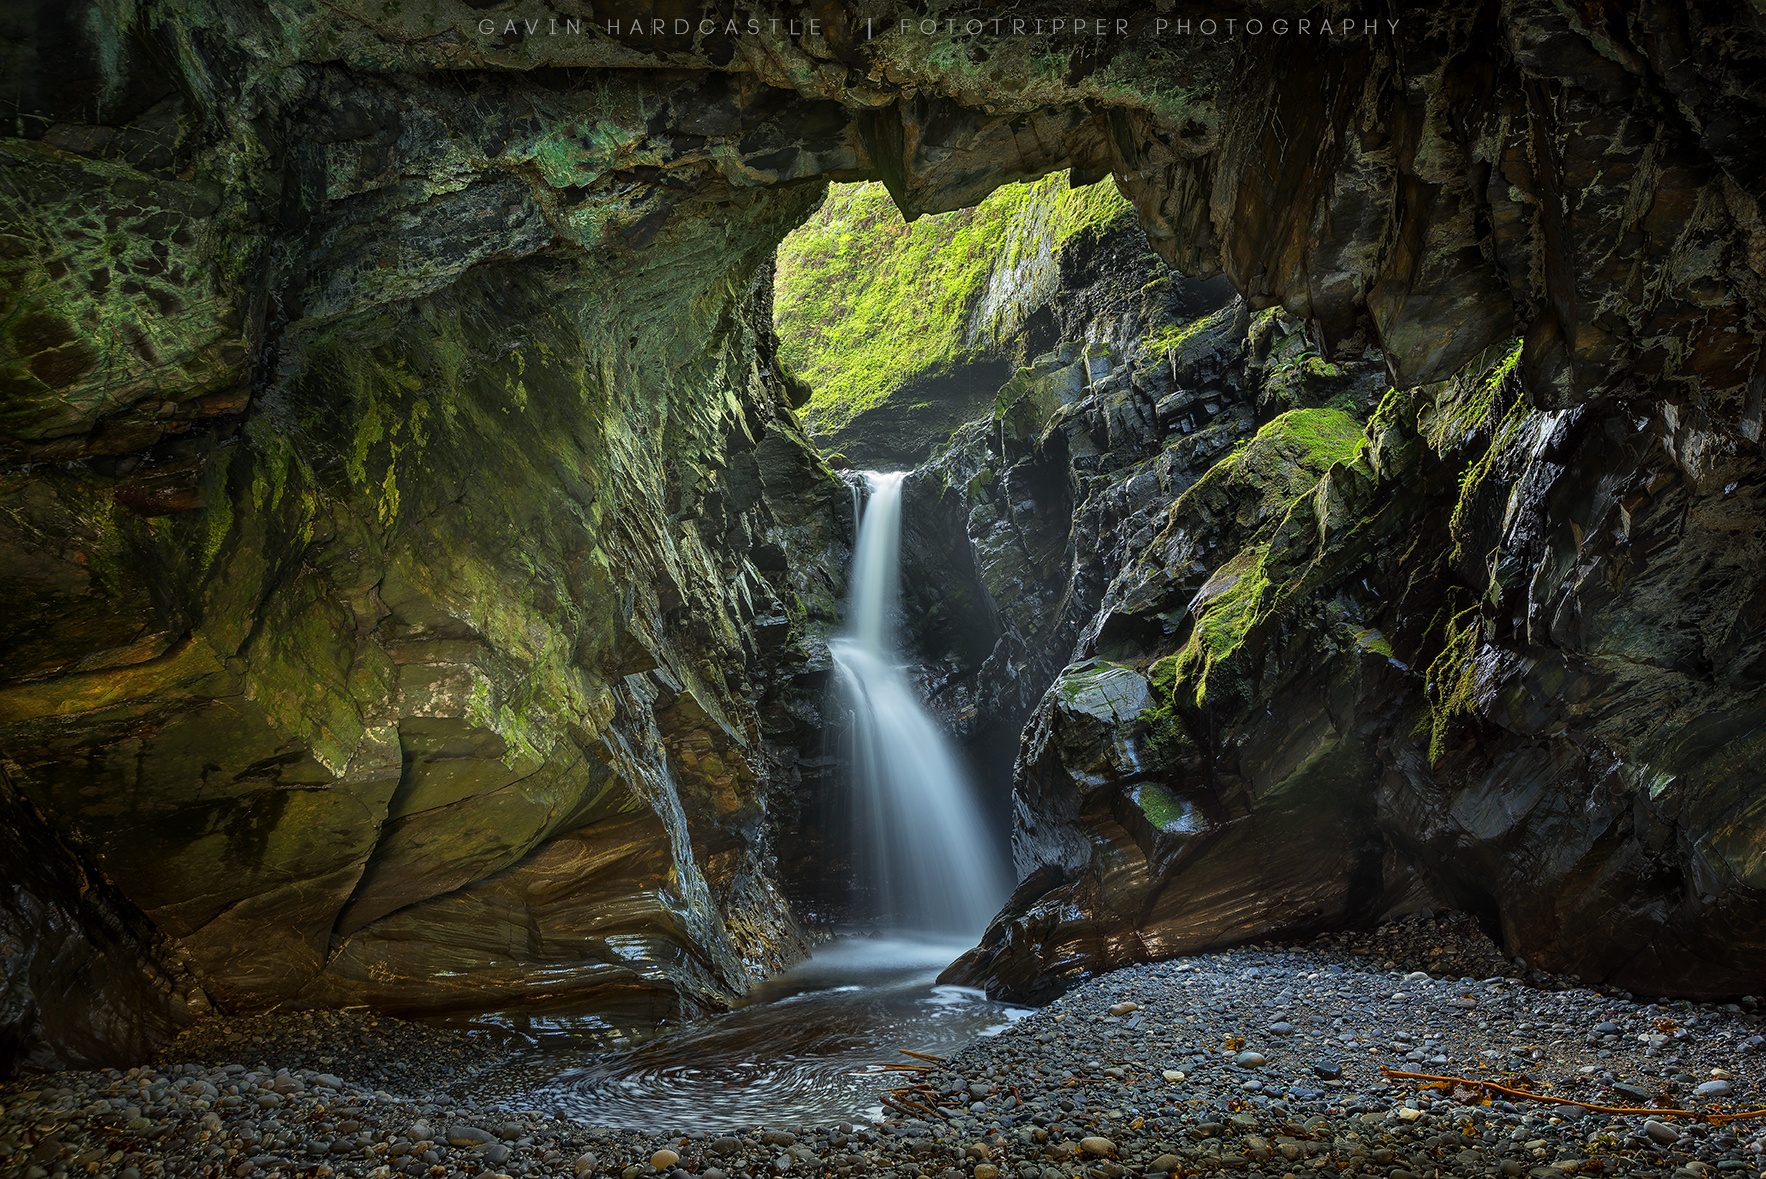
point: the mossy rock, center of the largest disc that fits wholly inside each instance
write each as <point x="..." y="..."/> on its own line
<point x="871" y="309"/>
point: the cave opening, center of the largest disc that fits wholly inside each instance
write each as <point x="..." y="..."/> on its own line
<point x="425" y="529"/>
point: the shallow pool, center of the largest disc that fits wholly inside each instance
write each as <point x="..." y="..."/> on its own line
<point x="797" y="1054"/>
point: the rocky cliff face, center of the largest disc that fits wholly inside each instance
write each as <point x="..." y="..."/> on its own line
<point x="1312" y="699"/>
<point x="413" y="567"/>
<point x="406" y="605"/>
<point x="905" y="332"/>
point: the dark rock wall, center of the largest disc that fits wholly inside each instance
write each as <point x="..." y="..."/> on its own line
<point x="411" y="600"/>
<point x="86" y="979"/>
<point x="1306" y="704"/>
<point x="412" y="569"/>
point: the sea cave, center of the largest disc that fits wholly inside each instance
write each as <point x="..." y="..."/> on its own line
<point x="1035" y="591"/>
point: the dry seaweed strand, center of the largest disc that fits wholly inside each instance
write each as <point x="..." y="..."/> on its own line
<point x="901" y="1098"/>
<point x="1472" y="1083"/>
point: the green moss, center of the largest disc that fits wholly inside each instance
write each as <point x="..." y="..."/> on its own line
<point x="1452" y="680"/>
<point x="1162" y="809"/>
<point x="1284" y="460"/>
<point x="1304" y="378"/>
<point x="1468" y="402"/>
<point x="1173" y="337"/>
<point x="1327" y="436"/>
<point x="1472" y="479"/>
<point x="1389" y="414"/>
<point x="1370" y="639"/>
<point x="1511" y="363"/>
<point x="866" y="304"/>
<point x="1239" y="588"/>
<point x="216" y="524"/>
<point x="1274" y="471"/>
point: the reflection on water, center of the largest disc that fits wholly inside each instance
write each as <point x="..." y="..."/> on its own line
<point x="796" y="1055"/>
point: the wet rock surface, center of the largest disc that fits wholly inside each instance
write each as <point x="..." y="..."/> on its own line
<point x="1300" y="704"/>
<point x="413" y="570"/>
<point x="1266" y="1060"/>
<point x="1282" y="696"/>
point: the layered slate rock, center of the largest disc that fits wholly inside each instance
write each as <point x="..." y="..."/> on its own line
<point x="413" y="569"/>
<point x="1378" y="686"/>
<point x="444" y="636"/>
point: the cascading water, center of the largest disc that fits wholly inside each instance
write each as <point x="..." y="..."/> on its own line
<point x="920" y="842"/>
<point x="799" y="1051"/>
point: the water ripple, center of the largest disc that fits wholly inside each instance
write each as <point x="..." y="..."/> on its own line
<point x="796" y="1055"/>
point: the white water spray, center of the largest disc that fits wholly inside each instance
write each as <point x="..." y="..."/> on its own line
<point x="920" y="839"/>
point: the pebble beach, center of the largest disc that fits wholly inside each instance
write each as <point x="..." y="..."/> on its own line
<point x="1266" y="1062"/>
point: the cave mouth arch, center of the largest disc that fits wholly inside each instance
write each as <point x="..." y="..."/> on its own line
<point x="408" y="462"/>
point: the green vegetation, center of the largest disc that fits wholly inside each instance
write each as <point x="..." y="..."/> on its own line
<point x="1173" y="337"/>
<point x="1184" y="343"/>
<point x="1369" y="638"/>
<point x="1472" y="479"/>
<point x="1288" y="378"/>
<point x="1231" y="601"/>
<point x="1277" y="468"/>
<point x="1284" y="461"/>
<point x="1464" y="404"/>
<point x="1452" y="680"/>
<point x="866" y="305"/>
<point x="1162" y="809"/>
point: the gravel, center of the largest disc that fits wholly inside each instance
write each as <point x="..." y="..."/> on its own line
<point x="1262" y="1062"/>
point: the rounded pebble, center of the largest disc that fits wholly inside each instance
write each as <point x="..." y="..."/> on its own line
<point x="374" y="1098"/>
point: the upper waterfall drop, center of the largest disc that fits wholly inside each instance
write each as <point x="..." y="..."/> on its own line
<point x="919" y="838"/>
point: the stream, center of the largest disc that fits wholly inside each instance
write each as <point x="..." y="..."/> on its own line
<point x="801" y="1051"/>
<point x="796" y="1054"/>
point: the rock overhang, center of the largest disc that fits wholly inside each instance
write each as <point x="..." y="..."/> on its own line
<point x="1466" y="179"/>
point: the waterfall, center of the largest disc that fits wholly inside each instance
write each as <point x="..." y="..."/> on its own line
<point x="919" y="838"/>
